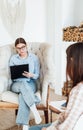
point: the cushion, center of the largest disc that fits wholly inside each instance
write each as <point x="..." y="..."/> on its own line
<point x="12" y="97"/>
<point x="9" y="96"/>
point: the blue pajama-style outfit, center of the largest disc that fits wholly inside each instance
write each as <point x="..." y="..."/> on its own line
<point x="25" y="87"/>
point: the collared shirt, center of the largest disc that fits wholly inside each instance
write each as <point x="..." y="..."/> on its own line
<point x="73" y="112"/>
<point x="32" y="60"/>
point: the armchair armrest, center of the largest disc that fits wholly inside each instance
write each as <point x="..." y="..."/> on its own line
<point x="49" y="82"/>
<point x="3" y="83"/>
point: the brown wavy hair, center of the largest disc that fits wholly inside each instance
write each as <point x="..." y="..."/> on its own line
<point x="74" y="68"/>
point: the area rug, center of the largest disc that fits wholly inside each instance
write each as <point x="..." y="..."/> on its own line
<point x="32" y="122"/>
<point x="7" y="120"/>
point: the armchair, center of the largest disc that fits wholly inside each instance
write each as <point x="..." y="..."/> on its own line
<point x="8" y="99"/>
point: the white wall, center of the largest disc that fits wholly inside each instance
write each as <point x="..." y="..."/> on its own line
<point x="35" y="24"/>
<point x="72" y="12"/>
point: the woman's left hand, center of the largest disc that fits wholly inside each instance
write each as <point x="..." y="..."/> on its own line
<point x="27" y="74"/>
<point x="44" y="128"/>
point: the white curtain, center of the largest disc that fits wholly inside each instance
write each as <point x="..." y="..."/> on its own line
<point x="13" y="14"/>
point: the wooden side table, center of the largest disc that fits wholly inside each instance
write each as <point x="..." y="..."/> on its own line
<point x="52" y="109"/>
<point x="55" y="109"/>
<point x="53" y="97"/>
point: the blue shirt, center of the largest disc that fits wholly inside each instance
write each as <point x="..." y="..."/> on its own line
<point x="32" y="60"/>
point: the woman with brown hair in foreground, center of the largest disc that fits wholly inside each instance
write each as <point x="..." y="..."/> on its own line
<point x="74" y="71"/>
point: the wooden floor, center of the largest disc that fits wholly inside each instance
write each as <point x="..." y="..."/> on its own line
<point x="7" y="119"/>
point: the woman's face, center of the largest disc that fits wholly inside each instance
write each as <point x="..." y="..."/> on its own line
<point x="21" y="49"/>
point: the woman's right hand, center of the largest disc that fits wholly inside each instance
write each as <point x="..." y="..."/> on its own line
<point x="27" y="74"/>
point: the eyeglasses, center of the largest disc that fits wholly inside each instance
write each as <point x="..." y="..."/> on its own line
<point x="21" y="48"/>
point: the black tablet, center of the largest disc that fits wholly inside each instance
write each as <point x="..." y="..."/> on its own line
<point x="17" y="70"/>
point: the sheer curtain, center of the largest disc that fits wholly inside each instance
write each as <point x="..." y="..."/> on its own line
<point x="13" y="14"/>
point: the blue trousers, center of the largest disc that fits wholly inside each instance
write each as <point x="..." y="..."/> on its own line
<point x="39" y="127"/>
<point x="27" y="98"/>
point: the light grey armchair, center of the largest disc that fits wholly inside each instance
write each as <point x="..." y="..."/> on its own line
<point x="9" y="99"/>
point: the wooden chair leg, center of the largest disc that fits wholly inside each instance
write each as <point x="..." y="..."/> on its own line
<point x="51" y="116"/>
<point x="16" y="111"/>
<point x="46" y="116"/>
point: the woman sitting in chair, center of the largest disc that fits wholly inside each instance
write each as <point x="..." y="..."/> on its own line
<point x="74" y="70"/>
<point x="26" y="87"/>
